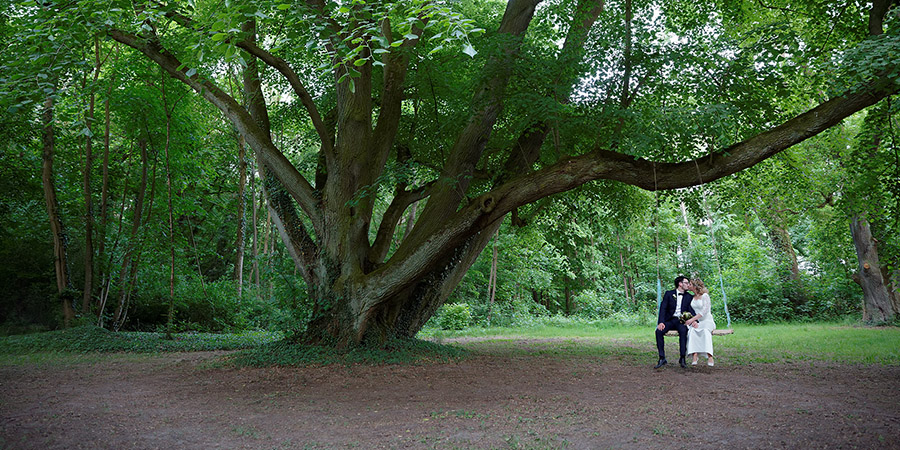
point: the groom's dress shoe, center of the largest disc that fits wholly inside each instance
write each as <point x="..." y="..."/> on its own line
<point x="682" y="363"/>
<point x="661" y="363"/>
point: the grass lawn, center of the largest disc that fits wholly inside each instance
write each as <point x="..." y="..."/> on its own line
<point x="828" y="342"/>
<point x="835" y="342"/>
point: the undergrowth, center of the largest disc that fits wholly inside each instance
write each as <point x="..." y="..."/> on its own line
<point x="400" y="351"/>
<point x="87" y="339"/>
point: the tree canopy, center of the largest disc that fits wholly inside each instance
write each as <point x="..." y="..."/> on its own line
<point x="464" y="111"/>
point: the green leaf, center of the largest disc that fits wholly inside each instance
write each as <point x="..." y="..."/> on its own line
<point x="283" y="6"/>
<point x="219" y="37"/>
<point x="360" y="62"/>
<point x="469" y="50"/>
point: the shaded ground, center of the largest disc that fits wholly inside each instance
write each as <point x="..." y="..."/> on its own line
<point x="539" y="395"/>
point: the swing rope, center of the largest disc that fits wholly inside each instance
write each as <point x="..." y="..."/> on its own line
<point x="656" y="239"/>
<point x="712" y="235"/>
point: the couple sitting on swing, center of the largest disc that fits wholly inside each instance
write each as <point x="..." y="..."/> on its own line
<point x="695" y="332"/>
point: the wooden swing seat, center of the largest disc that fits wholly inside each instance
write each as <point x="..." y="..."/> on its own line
<point x="716" y="332"/>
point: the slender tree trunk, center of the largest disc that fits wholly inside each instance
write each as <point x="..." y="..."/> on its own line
<point x="267" y="250"/>
<point x="492" y="277"/>
<point x="103" y="268"/>
<point x="687" y="224"/>
<point x="785" y="256"/>
<point x="88" y="195"/>
<point x="196" y="255"/>
<point x="877" y="304"/>
<point x="57" y="229"/>
<point x="170" y="317"/>
<point x="255" y="205"/>
<point x="622" y="266"/>
<point x="107" y="283"/>
<point x="784" y="245"/>
<point x="239" y="242"/>
<point x="129" y="267"/>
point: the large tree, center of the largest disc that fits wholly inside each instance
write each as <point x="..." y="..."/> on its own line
<point x="411" y="102"/>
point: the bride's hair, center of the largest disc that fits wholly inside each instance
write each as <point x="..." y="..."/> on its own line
<point x="699" y="286"/>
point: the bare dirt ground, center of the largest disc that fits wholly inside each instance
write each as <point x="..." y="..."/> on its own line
<point x="492" y="400"/>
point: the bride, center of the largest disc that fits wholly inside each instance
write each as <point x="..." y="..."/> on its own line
<point x="699" y="339"/>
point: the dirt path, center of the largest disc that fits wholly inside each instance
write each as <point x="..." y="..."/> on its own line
<point x="489" y="401"/>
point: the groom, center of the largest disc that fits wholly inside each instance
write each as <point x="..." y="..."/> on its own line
<point x="673" y="304"/>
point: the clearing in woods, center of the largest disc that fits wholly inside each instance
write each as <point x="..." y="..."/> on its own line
<point x="511" y="393"/>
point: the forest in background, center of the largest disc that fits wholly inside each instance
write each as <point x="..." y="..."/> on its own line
<point x="160" y="220"/>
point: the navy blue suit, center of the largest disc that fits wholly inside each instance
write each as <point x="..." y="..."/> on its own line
<point x="666" y="316"/>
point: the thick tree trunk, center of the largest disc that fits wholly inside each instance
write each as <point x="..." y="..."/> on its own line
<point x="57" y="229"/>
<point x="877" y="304"/>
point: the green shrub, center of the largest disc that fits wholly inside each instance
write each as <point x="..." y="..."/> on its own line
<point x="210" y="307"/>
<point x="455" y="316"/>
<point x="589" y="305"/>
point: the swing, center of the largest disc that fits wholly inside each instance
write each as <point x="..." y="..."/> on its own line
<point x="659" y="292"/>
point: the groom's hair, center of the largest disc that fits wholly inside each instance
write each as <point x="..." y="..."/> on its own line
<point x="678" y="281"/>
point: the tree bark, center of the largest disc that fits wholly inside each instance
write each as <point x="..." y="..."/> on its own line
<point x="785" y="256"/>
<point x="88" y="194"/>
<point x="254" y="195"/>
<point x="625" y="288"/>
<point x="170" y="316"/>
<point x="492" y="278"/>
<point x="57" y="229"/>
<point x="239" y="242"/>
<point x="129" y="267"/>
<point x="103" y="267"/>
<point x="877" y="303"/>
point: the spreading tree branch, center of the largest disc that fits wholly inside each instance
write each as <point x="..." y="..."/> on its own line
<point x="293" y="181"/>
<point x="572" y="172"/>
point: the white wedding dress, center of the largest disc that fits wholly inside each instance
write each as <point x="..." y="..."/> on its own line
<point x="699" y="339"/>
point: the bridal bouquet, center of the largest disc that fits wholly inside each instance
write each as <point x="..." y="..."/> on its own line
<point x="685" y="316"/>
